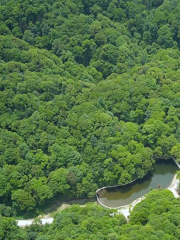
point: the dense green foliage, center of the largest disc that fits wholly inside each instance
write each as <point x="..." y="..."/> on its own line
<point x="157" y="217"/>
<point x="89" y="96"/>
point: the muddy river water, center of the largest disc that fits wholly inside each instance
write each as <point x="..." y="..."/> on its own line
<point x="161" y="177"/>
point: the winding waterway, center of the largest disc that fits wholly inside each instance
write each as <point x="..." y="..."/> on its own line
<point x="161" y="176"/>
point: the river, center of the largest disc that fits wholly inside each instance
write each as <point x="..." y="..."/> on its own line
<point x="160" y="177"/>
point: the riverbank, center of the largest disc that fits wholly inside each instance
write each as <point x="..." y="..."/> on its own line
<point x="125" y="210"/>
<point x="173" y="188"/>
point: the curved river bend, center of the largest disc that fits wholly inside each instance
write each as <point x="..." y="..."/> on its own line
<point x="112" y="197"/>
<point x="161" y="176"/>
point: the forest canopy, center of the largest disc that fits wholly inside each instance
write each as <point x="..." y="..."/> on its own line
<point x="89" y="96"/>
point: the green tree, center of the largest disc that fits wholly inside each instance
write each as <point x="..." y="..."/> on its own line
<point x="23" y="200"/>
